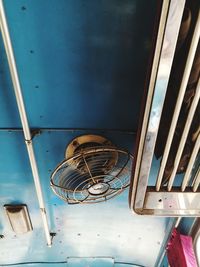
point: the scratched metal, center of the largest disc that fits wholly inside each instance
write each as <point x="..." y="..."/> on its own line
<point x="170" y="36"/>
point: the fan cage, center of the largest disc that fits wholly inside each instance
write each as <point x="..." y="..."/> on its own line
<point x="92" y="175"/>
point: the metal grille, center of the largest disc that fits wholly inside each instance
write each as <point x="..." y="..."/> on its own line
<point x="92" y="175"/>
<point x="154" y="191"/>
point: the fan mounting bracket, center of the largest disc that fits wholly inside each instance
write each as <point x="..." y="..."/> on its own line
<point x="85" y="141"/>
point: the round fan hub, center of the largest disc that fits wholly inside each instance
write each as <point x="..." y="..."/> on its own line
<point x="98" y="189"/>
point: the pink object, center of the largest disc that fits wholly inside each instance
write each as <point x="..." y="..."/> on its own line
<point x="180" y="252"/>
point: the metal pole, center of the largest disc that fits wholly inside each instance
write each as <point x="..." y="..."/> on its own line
<point x="191" y="164"/>
<point x="155" y="65"/>
<point x="184" y="135"/>
<point x="171" y="226"/>
<point x="197" y="181"/>
<point x="23" y="117"/>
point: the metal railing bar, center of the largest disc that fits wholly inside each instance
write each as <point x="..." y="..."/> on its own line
<point x="184" y="82"/>
<point x="158" y="47"/>
<point x="184" y="135"/>
<point x="191" y="164"/>
<point x="196" y="181"/>
<point x="172" y="27"/>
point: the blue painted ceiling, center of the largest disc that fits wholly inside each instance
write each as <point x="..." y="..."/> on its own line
<point x="82" y="63"/>
<point x="82" y="66"/>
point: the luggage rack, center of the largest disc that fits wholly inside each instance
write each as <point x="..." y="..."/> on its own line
<point x="156" y="198"/>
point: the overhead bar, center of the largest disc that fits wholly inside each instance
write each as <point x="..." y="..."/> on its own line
<point x="23" y="117"/>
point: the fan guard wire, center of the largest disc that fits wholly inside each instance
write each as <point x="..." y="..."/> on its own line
<point x="92" y="175"/>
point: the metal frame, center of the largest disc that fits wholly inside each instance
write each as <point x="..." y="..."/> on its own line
<point x="173" y="203"/>
<point x="194" y="104"/>
<point x="169" y="25"/>
<point x="156" y="200"/>
<point x="158" y="47"/>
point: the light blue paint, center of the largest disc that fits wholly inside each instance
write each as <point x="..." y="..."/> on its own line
<point x="106" y="229"/>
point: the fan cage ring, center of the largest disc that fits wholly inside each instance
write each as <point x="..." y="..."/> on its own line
<point x="84" y="177"/>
